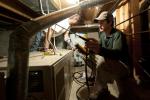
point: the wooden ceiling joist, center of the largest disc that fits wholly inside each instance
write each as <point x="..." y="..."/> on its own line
<point x="18" y="8"/>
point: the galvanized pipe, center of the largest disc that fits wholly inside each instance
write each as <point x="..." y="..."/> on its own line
<point x="16" y="85"/>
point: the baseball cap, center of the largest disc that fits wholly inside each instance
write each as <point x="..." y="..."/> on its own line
<point x="105" y="15"/>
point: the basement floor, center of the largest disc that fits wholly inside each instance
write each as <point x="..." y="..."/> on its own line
<point x="135" y="92"/>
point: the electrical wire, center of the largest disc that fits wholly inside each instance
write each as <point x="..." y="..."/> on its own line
<point x="54" y="39"/>
<point x="133" y="16"/>
<point x="114" y="6"/>
<point x="78" y="91"/>
<point x="87" y="83"/>
<point x="47" y="5"/>
<point x="53" y="45"/>
<point x="77" y="79"/>
<point x="65" y="28"/>
<point x="41" y="7"/>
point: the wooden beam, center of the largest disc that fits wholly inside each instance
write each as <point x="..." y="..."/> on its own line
<point x="17" y="7"/>
<point x="14" y="19"/>
<point x="136" y="38"/>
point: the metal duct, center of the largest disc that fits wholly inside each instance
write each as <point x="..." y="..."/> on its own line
<point x="16" y="85"/>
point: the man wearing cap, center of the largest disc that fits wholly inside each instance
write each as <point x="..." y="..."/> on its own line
<point x="112" y="55"/>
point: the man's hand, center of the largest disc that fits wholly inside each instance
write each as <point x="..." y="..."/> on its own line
<point x="93" y="45"/>
<point x="81" y="49"/>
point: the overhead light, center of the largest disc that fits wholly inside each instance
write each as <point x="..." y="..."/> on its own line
<point x="72" y="1"/>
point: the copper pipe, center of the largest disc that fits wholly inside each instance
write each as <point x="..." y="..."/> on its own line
<point x="19" y="48"/>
